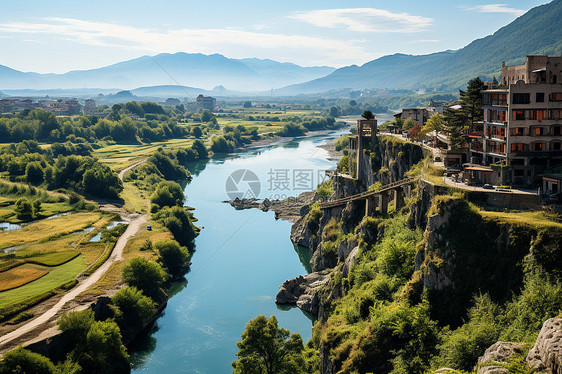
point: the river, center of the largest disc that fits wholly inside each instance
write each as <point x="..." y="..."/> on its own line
<point x="241" y="259"/>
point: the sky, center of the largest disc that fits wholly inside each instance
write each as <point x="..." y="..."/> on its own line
<point x="59" y="36"/>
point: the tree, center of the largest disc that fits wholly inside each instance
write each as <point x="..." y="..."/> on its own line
<point x="206" y="115"/>
<point x="471" y="102"/>
<point x="197" y="132"/>
<point x="167" y="193"/>
<point x="132" y="310"/>
<point x="408" y="124"/>
<point x="24" y="209"/>
<point x="199" y="146"/>
<point x="415" y="132"/>
<point x="267" y="348"/>
<point x="247" y="104"/>
<point x="22" y="361"/>
<point x="335" y="111"/>
<point x="36" y="206"/>
<point x="34" y="173"/>
<point x="147" y="276"/>
<point x="77" y="325"/>
<point x="368" y="115"/>
<point x="104" y="352"/>
<point x="172" y="255"/>
<point x="435" y="123"/>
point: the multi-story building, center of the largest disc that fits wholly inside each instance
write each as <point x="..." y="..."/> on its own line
<point x="206" y="102"/>
<point x="89" y="107"/>
<point x="522" y="127"/>
<point x="418" y="115"/>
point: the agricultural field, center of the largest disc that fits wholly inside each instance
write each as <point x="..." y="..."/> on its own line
<point x="48" y="254"/>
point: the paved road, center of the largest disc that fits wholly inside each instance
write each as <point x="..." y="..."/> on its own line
<point x="136" y="221"/>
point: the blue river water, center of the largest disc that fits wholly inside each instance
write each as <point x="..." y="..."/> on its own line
<point x="241" y="259"/>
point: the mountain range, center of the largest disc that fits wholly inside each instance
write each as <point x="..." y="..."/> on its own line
<point x="539" y="31"/>
<point x="190" y="69"/>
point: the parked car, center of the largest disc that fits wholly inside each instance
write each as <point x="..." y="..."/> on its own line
<point x="489" y="187"/>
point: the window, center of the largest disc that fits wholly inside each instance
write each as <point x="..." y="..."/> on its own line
<point x="556" y="146"/>
<point x="557" y="96"/>
<point x="556" y="130"/>
<point x="540" y="97"/>
<point x="554" y="79"/>
<point x="519" y="173"/>
<point x="538" y="131"/>
<point x="556" y="113"/>
<point x="536" y="114"/>
<point x="537" y="147"/>
<point x="518" y="131"/>
<point x="518" y="115"/>
<point x="521" y="98"/>
<point x="516" y="147"/>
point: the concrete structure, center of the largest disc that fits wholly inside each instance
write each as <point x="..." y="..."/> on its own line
<point x="419" y="115"/>
<point x="15" y="105"/>
<point x="366" y="133"/>
<point x="64" y="107"/>
<point x="89" y="107"/>
<point x="522" y="125"/>
<point x="378" y="200"/>
<point x="206" y="102"/>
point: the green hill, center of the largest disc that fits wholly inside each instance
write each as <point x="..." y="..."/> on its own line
<point x="539" y="31"/>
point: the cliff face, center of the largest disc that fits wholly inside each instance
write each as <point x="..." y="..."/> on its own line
<point x="387" y="160"/>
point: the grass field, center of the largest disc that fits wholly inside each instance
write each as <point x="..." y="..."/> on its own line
<point x="135" y="200"/>
<point x="20" y="275"/>
<point x="53" y="258"/>
<point x="48" y="229"/>
<point x="535" y="218"/>
<point x="55" y="278"/>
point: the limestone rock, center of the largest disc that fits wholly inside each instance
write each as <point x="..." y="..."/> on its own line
<point x="546" y="354"/>
<point x="492" y="370"/>
<point x="349" y="261"/>
<point x="500" y="352"/>
<point x="303" y="291"/>
<point x="345" y="247"/>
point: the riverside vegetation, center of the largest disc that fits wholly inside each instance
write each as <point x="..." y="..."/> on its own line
<point x="67" y="165"/>
<point x="431" y="286"/>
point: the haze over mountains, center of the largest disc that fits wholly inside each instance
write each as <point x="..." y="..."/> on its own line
<point x="539" y="31"/>
<point x="189" y="69"/>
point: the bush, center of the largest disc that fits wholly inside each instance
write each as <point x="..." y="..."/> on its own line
<point x="219" y="144"/>
<point x="179" y="221"/>
<point x="147" y="276"/>
<point x="132" y="310"/>
<point x="167" y="194"/>
<point x="292" y="129"/>
<point x="173" y="257"/>
<point x="26" y="362"/>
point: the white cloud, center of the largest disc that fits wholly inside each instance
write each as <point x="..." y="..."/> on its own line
<point x="365" y="20"/>
<point x="232" y="42"/>
<point x="496" y="8"/>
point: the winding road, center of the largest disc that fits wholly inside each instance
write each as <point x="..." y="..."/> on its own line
<point x="136" y="221"/>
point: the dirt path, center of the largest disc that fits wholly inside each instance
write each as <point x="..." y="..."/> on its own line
<point x="136" y="222"/>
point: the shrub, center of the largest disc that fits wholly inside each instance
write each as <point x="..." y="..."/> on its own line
<point x="173" y="257"/>
<point x="147" y="276"/>
<point x="132" y="310"/>
<point x="23" y="361"/>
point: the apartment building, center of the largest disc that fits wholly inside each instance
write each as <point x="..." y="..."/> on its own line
<point x="522" y="127"/>
<point x="206" y="102"/>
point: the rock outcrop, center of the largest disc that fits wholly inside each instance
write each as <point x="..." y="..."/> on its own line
<point x="500" y="352"/>
<point x="304" y="292"/>
<point x="546" y="354"/>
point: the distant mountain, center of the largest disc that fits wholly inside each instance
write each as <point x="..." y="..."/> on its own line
<point x="539" y="31"/>
<point x="190" y="69"/>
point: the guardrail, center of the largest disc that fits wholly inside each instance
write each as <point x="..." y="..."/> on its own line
<point x="366" y="194"/>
